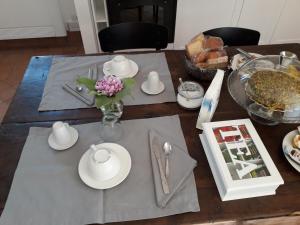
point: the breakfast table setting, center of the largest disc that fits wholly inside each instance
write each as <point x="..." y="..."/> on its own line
<point x="58" y="166"/>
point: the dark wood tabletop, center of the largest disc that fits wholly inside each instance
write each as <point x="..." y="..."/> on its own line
<point x="23" y="114"/>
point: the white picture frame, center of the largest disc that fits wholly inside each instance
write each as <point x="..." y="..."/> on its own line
<point x="231" y="186"/>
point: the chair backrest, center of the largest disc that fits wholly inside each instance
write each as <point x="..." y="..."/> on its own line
<point x="235" y="36"/>
<point x="167" y="15"/>
<point x="133" y="36"/>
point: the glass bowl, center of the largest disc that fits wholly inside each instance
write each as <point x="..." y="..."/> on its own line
<point x="268" y="88"/>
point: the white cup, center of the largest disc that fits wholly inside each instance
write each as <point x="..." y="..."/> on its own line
<point x="153" y="81"/>
<point x="120" y="66"/>
<point x="61" y="133"/>
<point x="103" y="164"/>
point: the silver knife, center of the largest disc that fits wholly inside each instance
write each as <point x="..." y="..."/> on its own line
<point x="156" y="148"/>
<point x="96" y="73"/>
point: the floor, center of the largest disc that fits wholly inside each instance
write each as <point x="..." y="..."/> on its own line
<point x="15" y="55"/>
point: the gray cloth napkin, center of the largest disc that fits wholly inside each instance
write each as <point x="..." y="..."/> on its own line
<point x="47" y="189"/>
<point x="66" y="69"/>
<point x="83" y="95"/>
<point x="180" y="163"/>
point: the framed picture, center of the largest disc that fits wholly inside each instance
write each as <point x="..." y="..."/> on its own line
<point x="239" y="160"/>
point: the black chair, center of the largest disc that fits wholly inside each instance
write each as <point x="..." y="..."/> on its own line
<point x="166" y="7"/>
<point x="140" y="13"/>
<point x="133" y="36"/>
<point x="235" y="36"/>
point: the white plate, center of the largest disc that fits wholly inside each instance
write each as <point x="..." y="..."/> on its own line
<point x="238" y="60"/>
<point x="287" y="142"/>
<point x="159" y="90"/>
<point x="133" y="65"/>
<point x="74" y="138"/>
<point x="125" y="167"/>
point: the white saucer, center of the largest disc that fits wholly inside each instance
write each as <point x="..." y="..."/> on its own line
<point x="160" y="89"/>
<point x="287" y="142"/>
<point x="74" y="138"/>
<point x="125" y="167"/>
<point x="134" y="69"/>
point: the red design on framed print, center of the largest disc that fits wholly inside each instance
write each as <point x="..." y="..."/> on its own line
<point x="240" y="152"/>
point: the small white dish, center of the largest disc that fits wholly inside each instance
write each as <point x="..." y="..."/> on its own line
<point x="74" y="138"/>
<point x="134" y="70"/>
<point x="125" y="166"/>
<point x="287" y="143"/>
<point x="238" y="60"/>
<point x="160" y="88"/>
<point x="191" y="104"/>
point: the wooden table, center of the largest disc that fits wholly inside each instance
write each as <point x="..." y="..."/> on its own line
<point x="22" y="114"/>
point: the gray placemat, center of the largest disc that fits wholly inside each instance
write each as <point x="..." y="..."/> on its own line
<point x="66" y="69"/>
<point x="47" y="189"/>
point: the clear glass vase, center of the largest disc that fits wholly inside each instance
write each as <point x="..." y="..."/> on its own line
<point x="111" y="129"/>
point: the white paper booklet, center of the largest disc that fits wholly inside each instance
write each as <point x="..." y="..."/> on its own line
<point x="239" y="161"/>
<point x="210" y="99"/>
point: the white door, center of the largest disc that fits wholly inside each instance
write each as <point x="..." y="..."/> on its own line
<point x="195" y="16"/>
<point x="261" y="15"/>
<point x="30" y="19"/>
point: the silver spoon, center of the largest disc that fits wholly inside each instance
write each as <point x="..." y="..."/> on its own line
<point x="168" y="149"/>
<point x="184" y="88"/>
<point x="79" y="88"/>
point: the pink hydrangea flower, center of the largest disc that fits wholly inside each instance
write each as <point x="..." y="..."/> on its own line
<point x="109" y="85"/>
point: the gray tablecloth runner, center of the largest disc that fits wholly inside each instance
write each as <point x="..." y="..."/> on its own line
<point x="47" y="189"/>
<point x="66" y="69"/>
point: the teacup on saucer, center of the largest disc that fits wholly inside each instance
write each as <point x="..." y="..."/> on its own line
<point x="120" y="66"/>
<point x="63" y="136"/>
<point x="153" y="84"/>
<point x="104" y="165"/>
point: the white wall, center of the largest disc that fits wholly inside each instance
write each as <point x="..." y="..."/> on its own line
<point x="288" y="26"/>
<point x="67" y="8"/>
<point x="30" y="18"/>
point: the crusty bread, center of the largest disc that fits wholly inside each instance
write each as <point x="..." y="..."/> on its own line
<point x="200" y="57"/>
<point x="199" y="37"/>
<point x="296" y="141"/>
<point x="223" y="59"/>
<point x="207" y="52"/>
<point x="195" y="46"/>
<point x="213" y="43"/>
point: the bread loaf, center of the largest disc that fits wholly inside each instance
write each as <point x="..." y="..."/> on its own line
<point x="213" y="43"/>
<point x="223" y="59"/>
<point x="207" y="52"/>
<point x="195" y="46"/>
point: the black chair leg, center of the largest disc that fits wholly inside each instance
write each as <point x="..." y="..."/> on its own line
<point x="155" y="13"/>
<point x="140" y="9"/>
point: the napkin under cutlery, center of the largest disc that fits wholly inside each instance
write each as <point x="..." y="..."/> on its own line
<point x="180" y="163"/>
<point x="83" y="95"/>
